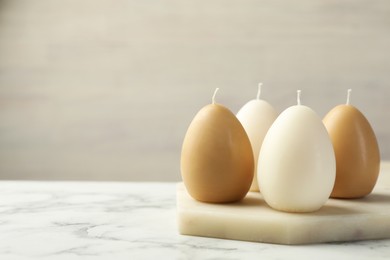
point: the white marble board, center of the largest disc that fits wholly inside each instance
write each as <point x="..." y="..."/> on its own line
<point x="253" y="220"/>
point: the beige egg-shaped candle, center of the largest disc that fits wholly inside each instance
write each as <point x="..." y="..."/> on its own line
<point x="216" y="159"/>
<point x="297" y="167"/>
<point x="256" y="116"/>
<point x="356" y="149"/>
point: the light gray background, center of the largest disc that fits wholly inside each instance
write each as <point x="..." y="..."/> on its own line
<point x="102" y="89"/>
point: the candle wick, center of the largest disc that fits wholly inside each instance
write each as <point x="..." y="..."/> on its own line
<point x="215" y="93"/>
<point x="299" y="97"/>
<point x="259" y="91"/>
<point x="349" y="96"/>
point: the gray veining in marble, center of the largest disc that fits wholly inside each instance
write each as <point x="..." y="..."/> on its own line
<point x="110" y="220"/>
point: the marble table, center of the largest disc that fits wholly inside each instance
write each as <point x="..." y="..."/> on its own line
<point x="112" y="220"/>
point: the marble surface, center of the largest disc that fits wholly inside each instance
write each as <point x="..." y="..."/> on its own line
<point x="103" y="220"/>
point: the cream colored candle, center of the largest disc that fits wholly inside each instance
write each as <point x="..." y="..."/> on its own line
<point x="356" y="149"/>
<point x="256" y="117"/>
<point x="216" y="160"/>
<point x="296" y="168"/>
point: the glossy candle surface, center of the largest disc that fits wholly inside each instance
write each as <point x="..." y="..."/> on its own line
<point x="256" y="117"/>
<point x="296" y="168"/>
<point x="356" y="150"/>
<point x="216" y="160"/>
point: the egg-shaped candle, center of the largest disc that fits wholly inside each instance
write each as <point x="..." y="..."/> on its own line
<point x="356" y="150"/>
<point x="296" y="167"/>
<point x="216" y="159"/>
<point x="256" y="116"/>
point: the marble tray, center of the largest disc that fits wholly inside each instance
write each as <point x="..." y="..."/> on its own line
<point x="253" y="220"/>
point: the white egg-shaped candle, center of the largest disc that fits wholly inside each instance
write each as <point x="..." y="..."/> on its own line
<point x="296" y="166"/>
<point x="256" y="116"/>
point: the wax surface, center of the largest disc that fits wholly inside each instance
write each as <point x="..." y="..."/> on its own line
<point x="296" y="168"/>
<point x="256" y="117"/>
<point x="217" y="159"/>
<point x="356" y="150"/>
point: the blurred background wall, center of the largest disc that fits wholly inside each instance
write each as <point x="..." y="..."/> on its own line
<point x="105" y="90"/>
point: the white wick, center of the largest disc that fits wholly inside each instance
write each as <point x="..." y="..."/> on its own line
<point x="215" y="93"/>
<point x="299" y="97"/>
<point x="259" y="91"/>
<point x="349" y="96"/>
